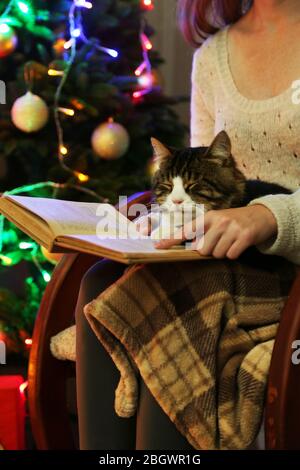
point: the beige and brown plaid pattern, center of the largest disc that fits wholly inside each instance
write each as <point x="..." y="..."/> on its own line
<point x="201" y="335"/>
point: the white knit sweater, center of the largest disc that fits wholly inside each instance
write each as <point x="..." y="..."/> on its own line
<point x="265" y="136"/>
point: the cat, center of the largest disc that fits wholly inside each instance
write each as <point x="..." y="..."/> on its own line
<point x="205" y="175"/>
<point x="200" y="175"/>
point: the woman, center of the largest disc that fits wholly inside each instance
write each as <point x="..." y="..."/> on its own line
<point x="241" y="81"/>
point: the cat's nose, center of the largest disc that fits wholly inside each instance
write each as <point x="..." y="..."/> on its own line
<point x="177" y="201"/>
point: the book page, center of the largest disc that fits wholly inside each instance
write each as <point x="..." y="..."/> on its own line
<point x="72" y="217"/>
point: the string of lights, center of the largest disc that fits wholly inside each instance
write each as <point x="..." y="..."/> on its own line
<point x="14" y="245"/>
<point x="76" y="33"/>
<point x="144" y="79"/>
<point x="77" y="36"/>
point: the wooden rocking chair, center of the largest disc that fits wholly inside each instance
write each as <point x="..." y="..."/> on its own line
<point x="48" y="377"/>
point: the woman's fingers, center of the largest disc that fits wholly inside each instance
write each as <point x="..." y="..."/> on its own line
<point x="217" y="245"/>
<point x="221" y="234"/>
<point x="190" y="231"/>
<point x="228" y="232"/>
<point x="237" y="248"/>
<point x="209" y="241"/>
<point x="177" y="239"/>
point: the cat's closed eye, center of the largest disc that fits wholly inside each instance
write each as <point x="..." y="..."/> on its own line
<point x="191" y="186"/>
<point x="165" y="186"/>
<point x="198" y="189"/>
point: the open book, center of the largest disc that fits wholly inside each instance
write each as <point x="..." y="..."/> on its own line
<point x="68" y="226"/>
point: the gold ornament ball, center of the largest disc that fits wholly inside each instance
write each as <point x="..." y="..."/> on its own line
<point x="29" y="113"/>
<point x="8" y="40"/>
<point x="110" y="140"/>
<point x="53" y="258"/>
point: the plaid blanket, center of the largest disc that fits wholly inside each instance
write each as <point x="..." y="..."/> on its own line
<point x="201" y="335"/>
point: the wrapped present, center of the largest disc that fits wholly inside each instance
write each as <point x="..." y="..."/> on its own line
<point x="12" y="412"/>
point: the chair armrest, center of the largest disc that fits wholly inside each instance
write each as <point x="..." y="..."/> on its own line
<point x="282" y="414"/>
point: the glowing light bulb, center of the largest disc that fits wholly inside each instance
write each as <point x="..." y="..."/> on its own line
<point x="6" y="260"/>
<point x="4" y="28"/>
<point x="28" y="341"/>
<point x="69" y="43"/>
<point x="23" y="385"/>
<point x="111" y="52"/>
<point x="146" y="42"/>
<point x="76" y="32"/>
<point x="55" y="73"/>
<point x="83" y="4"/>
<point x="63" y="150"/>
<point x="140" y="69"/>
<point x="67" y="111"/>
<point x="77" y="103"/>
<point x="46" y="276"/>
<point x="140" y="93"/>
<point x="137" y="94"/>
<point x="147" y="4"/>
<point x="82" y="177"/>
<point x="25" y="245"/>
<point x="146" y="80"/>
<point x="23" y="7"/>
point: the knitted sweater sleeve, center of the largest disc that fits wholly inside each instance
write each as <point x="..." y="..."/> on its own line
<point x="286" y="209"/>
<point x="202" y="121"/>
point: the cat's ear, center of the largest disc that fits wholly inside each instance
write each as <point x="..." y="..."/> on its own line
<point x="161" y="152"/>
<point x="220" y="148"/>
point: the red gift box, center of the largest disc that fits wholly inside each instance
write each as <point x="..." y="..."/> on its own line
<point x="12" y="412"/>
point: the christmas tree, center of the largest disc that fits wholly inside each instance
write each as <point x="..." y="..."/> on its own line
<point x="84" y="94"/>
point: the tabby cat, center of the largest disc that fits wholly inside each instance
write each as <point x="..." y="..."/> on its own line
<point x="203" y="175"/>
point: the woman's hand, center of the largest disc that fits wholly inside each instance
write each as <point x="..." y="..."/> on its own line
<point x="228" y="232"/>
